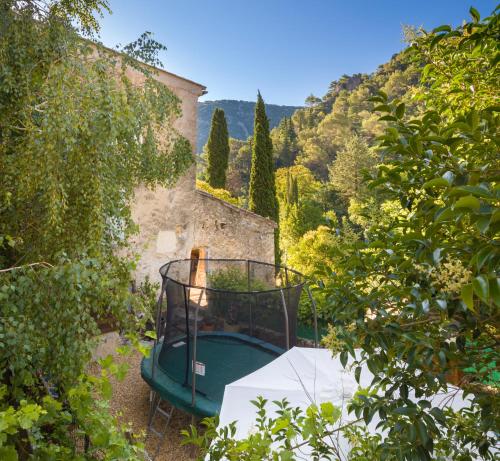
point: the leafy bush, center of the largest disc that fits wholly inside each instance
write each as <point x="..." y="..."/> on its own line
<point x="234" y="279"/>
<point x="222" y="194"/>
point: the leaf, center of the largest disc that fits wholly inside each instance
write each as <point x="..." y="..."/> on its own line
<point x="483" y="223"/>
<point x="467" y="296"/>
<point x="495" y="217"/>
<point x="422" y="432"/>
<point x="444" y="215"/>
<point x="495" y="290"/>
<point x="438" y="415"/>
<point x="280" y="424"/>
<point x="406" y="411"/>
<point x="343" y="358"/>
<point x="481" y="287"/>
<point x="330" y="412"/>
<point x="475" y="14"/>
<point x="481" y="257"/>
<point x="436" y="40"/>
<point x="382" y="108"/>
<point x="436" y="182"/>
<point x="444" y="28"/>
<point x="106" y="389"/>
<point x="357" y="373"/>
<point x="150" y="334"/>
<point x="470" y="202"/>
<point x="400" y="110"/>
<point x="477" y="191"/>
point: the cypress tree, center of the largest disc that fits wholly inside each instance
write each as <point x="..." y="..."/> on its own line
<point x="217" y="150"/>
<point x="262" y="192"/>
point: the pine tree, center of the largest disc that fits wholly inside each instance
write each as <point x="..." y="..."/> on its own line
<point x="217" y="150"/>
<point x="262" y="193"/>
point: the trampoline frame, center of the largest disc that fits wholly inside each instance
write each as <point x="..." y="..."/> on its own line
<point x="160" y="324"/>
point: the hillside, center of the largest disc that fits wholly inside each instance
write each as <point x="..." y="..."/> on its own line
<point x="239" y="115"/>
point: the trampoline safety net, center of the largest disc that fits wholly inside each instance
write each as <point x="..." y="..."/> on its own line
<point x="219" y="320"/>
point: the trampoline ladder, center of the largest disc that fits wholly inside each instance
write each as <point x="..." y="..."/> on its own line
<point x="166" y="416"/>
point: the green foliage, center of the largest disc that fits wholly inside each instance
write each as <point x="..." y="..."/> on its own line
<point x="50" y="315"/>
<point x="262" y="190"/>
<point x="300" y="211"/>
<point x="76" y="137"/>
<point x="262" y="193"/>
<point x="71" y="153"/>
<point x="277" y="438"/>
<point x="222" y="194"/>
<point x="422" y="289"/>
<point x="217" y="151"/>
<point x="317" y="254"/>
<point x="240" y="164"/>
<point x="57" y="429"/>
<point x="146" y="298"/>
<point x="292" y="190"/>
<point x="346" y="110"/>
<point x="292" y="432"/>
<point x="347" y="172"/>
<point x="234" y="279"/>
<point x="285" y="143"/>
<point x="418" y="296"/>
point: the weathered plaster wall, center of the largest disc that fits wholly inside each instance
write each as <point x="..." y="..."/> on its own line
<point x="175" y="221"/>
<point x="231" y="232"/>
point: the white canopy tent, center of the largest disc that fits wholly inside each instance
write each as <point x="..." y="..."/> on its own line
<point x="303" y="376"/>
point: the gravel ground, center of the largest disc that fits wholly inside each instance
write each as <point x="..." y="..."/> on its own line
<point x="131" y="403"/>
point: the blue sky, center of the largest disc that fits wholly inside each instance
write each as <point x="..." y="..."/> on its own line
<point x="286" y="48"/>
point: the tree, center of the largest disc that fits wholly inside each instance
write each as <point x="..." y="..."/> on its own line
<point x="312" y="100"/>
<point x="428" y="310"/>
<point x="217" y="150"/>
<point x="419" y="297"/>
<point x="299" y="197"/>
<point x="240" y="164"/>
<point x="262" y="192"/>
<point x="76" y="138"/>
<point x="347" y="170"/>
<point x="285" y="143"/>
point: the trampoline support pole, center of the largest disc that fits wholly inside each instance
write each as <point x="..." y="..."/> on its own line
<point x="315" y="315"/>
<point x="251" y="298"/>
<point x="193" y="361"/>
<point x="287" y="326"/>
<point x="157" y="326"/>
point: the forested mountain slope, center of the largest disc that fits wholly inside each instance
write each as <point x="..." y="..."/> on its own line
<point x="239" y="115"/>
<point x="313" y="135"/>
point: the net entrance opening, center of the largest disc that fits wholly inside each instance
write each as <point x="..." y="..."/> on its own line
<point x="217" y="321"/>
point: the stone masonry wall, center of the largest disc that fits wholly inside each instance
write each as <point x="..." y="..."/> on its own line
<point x="226" y="231"/>
<point x="173" y="222"/>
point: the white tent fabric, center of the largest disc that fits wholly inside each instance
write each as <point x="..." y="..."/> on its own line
<point x="303" y="376"/>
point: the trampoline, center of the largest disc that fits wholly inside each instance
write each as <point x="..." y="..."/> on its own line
<point x="217" y="320"/>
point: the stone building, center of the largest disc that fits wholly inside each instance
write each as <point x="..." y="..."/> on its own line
<point x="184" y="222"/>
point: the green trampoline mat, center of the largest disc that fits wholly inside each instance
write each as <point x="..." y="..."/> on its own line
<point x="221" y="358"/>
